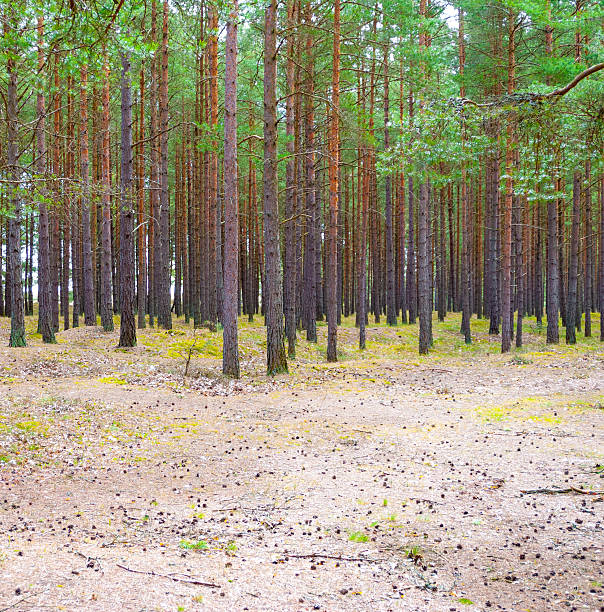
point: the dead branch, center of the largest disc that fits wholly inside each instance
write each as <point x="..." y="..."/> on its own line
<point x="22" y="600"/>
<point x="187" y="579"/>
<point x="560" y="491"/>
<point x="334" y="557"/>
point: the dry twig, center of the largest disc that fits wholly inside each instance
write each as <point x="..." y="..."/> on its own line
<point x="561" y="491"/>
<point x="21" y="600"/>
<point x="335" y="557"/>
<point x="187" y="579"/>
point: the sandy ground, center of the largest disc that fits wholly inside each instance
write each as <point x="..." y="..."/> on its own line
<point x="380" y="485"/>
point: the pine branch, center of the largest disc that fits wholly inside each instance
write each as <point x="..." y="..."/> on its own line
<point x="520" y="98"/>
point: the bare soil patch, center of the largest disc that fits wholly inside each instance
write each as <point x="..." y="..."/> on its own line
<point x="375" y="484"/>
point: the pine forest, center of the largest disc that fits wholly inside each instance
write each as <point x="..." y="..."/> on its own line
<point x="301" y="304"/>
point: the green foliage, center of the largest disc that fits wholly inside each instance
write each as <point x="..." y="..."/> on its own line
<point x="358" y="536"/>
<point x="198" y="545"/>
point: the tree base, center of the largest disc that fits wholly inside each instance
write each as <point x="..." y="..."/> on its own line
<point x="17" y="339"/>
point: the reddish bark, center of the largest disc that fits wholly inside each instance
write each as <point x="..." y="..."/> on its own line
<point x="44" y="308"/>
<point x="13" y="268"/>
<point x="213" y="228"/>
<point x="106" y="294"/>
<point x="163" y="290"/>
<point x="272" y="287"/>
<point x="230" y="356"/>
<point x="126" y="250"/>
<point x="289" y="285"/>
<point x="506" y="264"/>
<point x="334" y="153"/>
<point x="141" y="279"/>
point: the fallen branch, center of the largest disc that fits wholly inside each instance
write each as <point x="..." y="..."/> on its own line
<point x="561" y="491"/>
<point x="22" y="600"/>
<point x="187" y="579"/>
<point x="334" y="557"/>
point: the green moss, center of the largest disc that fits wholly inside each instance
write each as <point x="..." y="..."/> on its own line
<point x="493" y="414"/>
<point x="29" y="426"/>
<point x="545" y="418"/>
<point x="113" y="380"/>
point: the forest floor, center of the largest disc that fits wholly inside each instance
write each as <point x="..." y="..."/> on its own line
<point x="386" y="481"/>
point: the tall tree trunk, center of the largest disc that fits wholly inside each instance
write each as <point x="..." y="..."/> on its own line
<point x="126" y="253"/>
<point x="309" y="298"/>
<point x="154" y="245"/>
<point x="561" y="240"/>
<point x="219" y="238"/>
<point x="164" y="312"/>
<point x="423" y="275"/>
<point x="44" y="308"/>
<point x="552" y="272"/>
<point x="65" y="224"/>
<point x="141" y="281"/>
<point x="7" y="297"/>
<point x="538" y="280"/>
<point x="55" y="236"/>
<point x="345" y="238"/>
<point x="334" y="158"/>
<point x="299" y="159"/>
<point x="340" y="244"/>
<point x="391" y="309"/>
<point x="362" y="263"/>
<point x="88" y="270"/>
<point x="272" y="297"/>
<point x="477" y="267"/>
<point x="186" y="211"/>
<point x="289" y="285"/>
<point x="207" y="287"/>
<point x="2" y="309"/>
<point x="601" y="298"/>
<point x="520" y="277"/>
<point x="178" y="196"/>
<point x="362" y="207"/>
<point x="552" y="282"/>
<point x="68" y="208"/>
<point x="30" y="274"/>
<point x="14" y="279"/>
<point x="466" y="280"/>
<point x="572" y="312"/>
<point x="493" y="242"/>
<point x="402" y="251"/>
<point x="423" y="221"/>
<point x="230" y="355"/>
<point x="506" y="280"/>
<point x="213" y="170"/>
<point x="319" y="252"/>
<point x="106" y="306"/>
<point x="411" y="258"/>
<point x="195" y="212"/>
<point x="587" y="271"/>
<point x="374" y="250"/>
